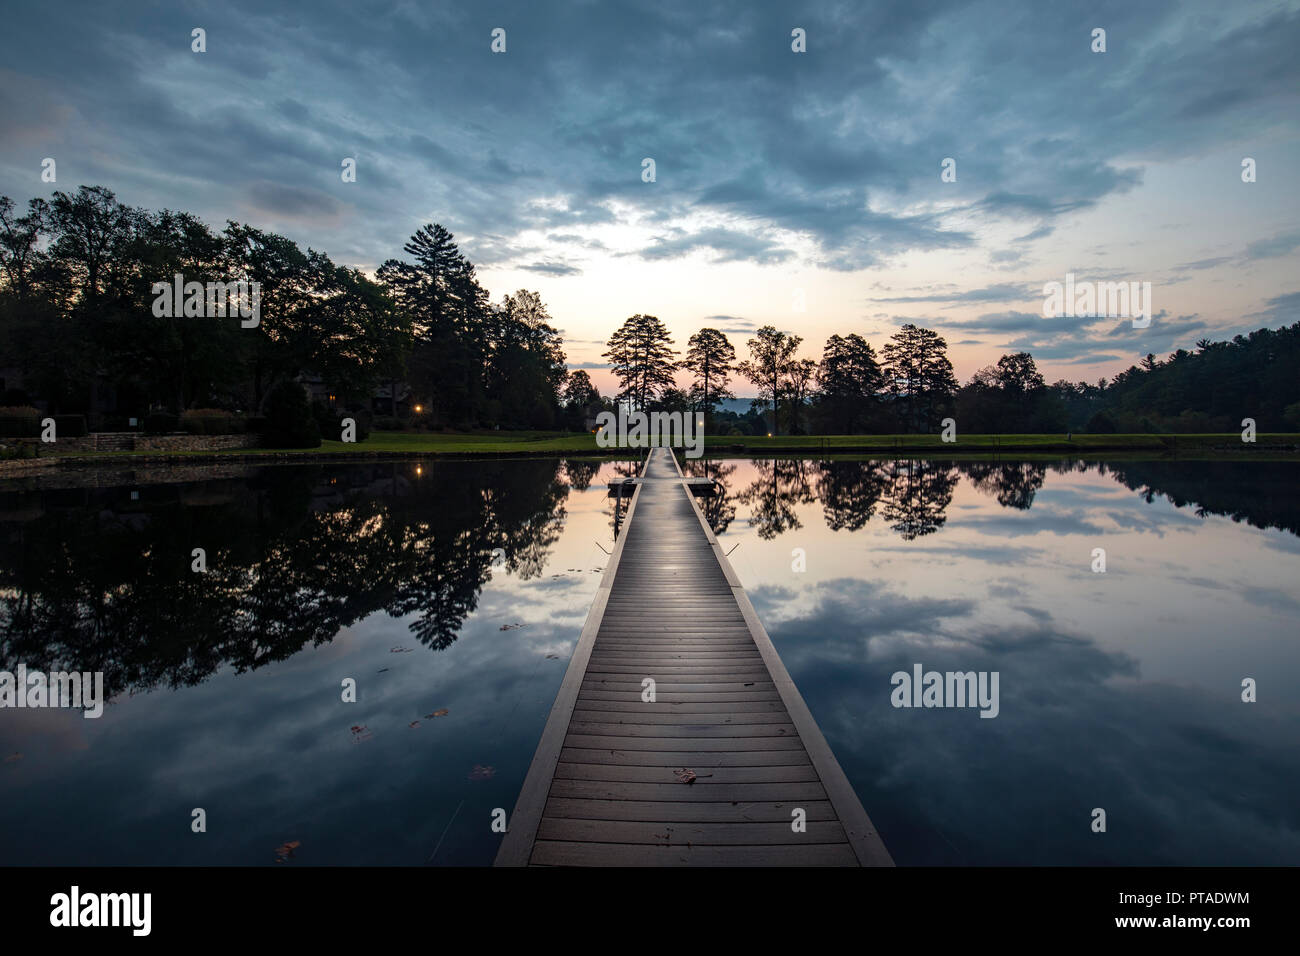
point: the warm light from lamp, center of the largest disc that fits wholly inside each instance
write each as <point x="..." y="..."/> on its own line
<point x="418" y="409"/>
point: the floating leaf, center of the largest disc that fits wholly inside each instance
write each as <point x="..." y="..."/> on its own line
<point x="413" y="724"/>
<point x="381" y="670"/>
<point x="14" y="757"/>
<point x="552" y="657"/>
<point x="481" y="772"/>
<point x="511" y="627"/>
<point x="437" y="713"/>
<point x="400" y="650"/>
<point x="360" y="732"/>
<point x="285" y="850"/>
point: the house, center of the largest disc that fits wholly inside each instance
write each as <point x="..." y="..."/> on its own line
<point x="379" y="403"/>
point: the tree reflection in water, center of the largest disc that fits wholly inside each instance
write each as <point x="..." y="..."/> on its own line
<point x="91" y="579"/>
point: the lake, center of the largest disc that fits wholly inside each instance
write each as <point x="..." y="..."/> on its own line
<point x="452" y="594"/>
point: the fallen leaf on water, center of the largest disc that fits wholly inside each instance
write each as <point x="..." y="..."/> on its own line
<point x="285" y="850"/>
<point x="511" y="627"/>
<point x="400" y="650"/>
<point x="13" y="757"/>
<point x="360" y="733"/>
<point x="413" y="724"/>
<point x="381" y="670"/>
<point x="552" y="657"/>
<point x="438" y="713"/>
<point x="481" y="772"/>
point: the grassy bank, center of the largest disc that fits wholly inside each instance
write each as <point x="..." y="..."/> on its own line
<point x="497" y="443"/>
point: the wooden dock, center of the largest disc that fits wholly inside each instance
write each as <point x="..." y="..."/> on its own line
<point x="605" y="787"/>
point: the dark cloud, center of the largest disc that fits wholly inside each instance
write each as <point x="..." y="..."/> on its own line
<point x="1281" y="309"/>
<point x="1002" y="292"/>
<point x="754" y="145"/>
<point x="728" y="245"/>
<point x="1278" y="245"/>
<point x="551" y="268"/>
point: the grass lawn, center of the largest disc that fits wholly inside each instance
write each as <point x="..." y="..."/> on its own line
<point x="534" y="443"/>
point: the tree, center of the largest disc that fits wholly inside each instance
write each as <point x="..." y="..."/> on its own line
<point x="448" y="310"/>
<point x="849" y="380"/>
<point x="1017" y="375"/>
<point x="289" y="419"/>
<point x="798" y="382"/>
<point x="918" y="376"/>
<point x="771" y="355"/>
<point x="276" y="347"/>
<point x="525" y="363"/>
<point x="579" y="390"/>
<point x="643" y="359"/>
<point x="711" y="358"/>
<point x="1101" y="424"/>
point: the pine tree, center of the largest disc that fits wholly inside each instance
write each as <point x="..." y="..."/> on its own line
<point x="643" y="359"/>
<point x="711" y="358"/>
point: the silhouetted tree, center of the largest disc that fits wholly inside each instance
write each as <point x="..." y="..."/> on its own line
<point x="711" y="358"/>
<point x="643" y="359"/>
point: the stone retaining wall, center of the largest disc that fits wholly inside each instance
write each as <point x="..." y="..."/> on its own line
<point x="134" y="441"/>
<point x="52" y="454"/>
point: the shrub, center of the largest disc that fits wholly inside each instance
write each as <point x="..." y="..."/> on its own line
<point x="1101" y="424"/>
<point x="331" y="422"/>
<point x="387" y="423"/>
<point x="365" y="422"/>
<point x="289" y="420"/>
<point x="211" y="421"/>
<point x="160" y="423"/>
<point x="70" y="426"/>
<point x="20" y="449"/>
<point x="20" y="421"/>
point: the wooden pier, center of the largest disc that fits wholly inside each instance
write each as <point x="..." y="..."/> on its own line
<point x="606" y="786"/>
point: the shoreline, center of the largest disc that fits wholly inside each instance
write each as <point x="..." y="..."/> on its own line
<point x="1171" y="447"/>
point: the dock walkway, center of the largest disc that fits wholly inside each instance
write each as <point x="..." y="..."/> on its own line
<point x="606" y="786"/>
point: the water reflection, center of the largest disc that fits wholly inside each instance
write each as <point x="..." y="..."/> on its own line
<point x="1119" y="690"/>
<point x="102" y="578"/>
<point x="913" y="495"/>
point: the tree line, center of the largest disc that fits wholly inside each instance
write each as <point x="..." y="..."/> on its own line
<point x="909" y="385"/>
<point x="77" y="321"/>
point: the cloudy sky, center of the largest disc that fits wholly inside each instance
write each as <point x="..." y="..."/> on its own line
<point x="781" y="178"/>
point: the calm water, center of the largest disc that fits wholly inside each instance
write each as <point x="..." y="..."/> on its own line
<point x="463" y="587"/>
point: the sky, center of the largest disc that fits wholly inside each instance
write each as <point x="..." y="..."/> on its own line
<point x="796" y="189"/>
